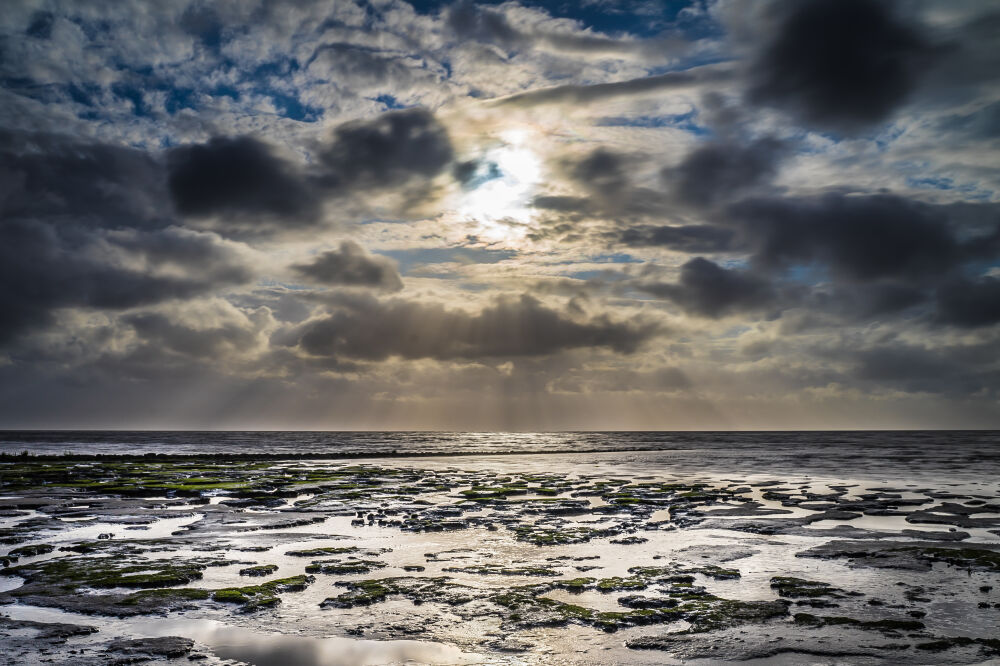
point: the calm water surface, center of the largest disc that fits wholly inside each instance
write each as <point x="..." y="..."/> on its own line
<point x="895" y="454"/>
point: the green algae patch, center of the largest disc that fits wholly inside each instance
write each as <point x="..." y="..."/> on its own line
<point x="166" y="597"/>
<point x="109" y="572"/>
<point x="681" y="574"/>
<point x="875" y="625"/>
<point x="989" y="647"/>
<point x="523" y="607"/>
<point x="542" y="536"/>
<point x="32" y="550"/>
<point x="713" y="571"/>
<point x="236" y="596"/>
<point x="613" y="621"/>
<point x="254" y="597"/>
<point x="574" y="584"/>
<point x="259" y="570"/>
<point x="144" y="477"/>
<point x="966" y="558"/>
<point x="794" y="588"/>
<point x="362" y="593"/>
<point x="713" y="613"/>
<point x="499" y="570"/>
<point x="322" y="552"/>
<point x="26" y="551"/>
<point x="982" y="557"/>
<point x="417" y="589"/>
<point x="618" y="583"/>
<point x="344" y="567"/>
<point x="677" y="598"/>
<point x="526" y="607"/>
<point x="111" y="546"/>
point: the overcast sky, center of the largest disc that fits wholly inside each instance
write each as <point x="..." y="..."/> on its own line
<point x="596" y="214"/>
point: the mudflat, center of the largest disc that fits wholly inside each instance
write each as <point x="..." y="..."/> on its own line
<point x="490" y="559"/>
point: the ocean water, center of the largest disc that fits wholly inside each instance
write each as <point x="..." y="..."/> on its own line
<point x="933" y="454"/>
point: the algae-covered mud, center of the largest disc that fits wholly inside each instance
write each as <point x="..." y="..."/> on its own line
<point x="551" y="558"/>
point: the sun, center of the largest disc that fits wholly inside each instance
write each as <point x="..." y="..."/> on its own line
<point x="498" y="193"/>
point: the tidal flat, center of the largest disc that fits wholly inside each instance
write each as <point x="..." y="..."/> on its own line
<point x="601" y="558"/>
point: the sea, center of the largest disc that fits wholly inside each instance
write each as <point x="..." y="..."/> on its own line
<point x="928" y="454"/>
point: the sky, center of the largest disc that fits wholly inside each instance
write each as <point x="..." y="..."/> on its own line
<point x="529" y="215"/>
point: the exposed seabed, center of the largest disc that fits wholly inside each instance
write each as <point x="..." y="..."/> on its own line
<point x="561" y="558"/>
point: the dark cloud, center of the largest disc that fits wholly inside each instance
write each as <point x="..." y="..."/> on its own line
<point x="466" y="172"/>
<point x="70" y="181"/>
<point x="839" y="64"/>
<point x="692" y="238"/>
<point x="389" y="150"/>
<point x="584" y="94"/>
<point x="169" y="335"/>
<point x="351" y="266"/>
<point x="843" y="256"/>
<point x="724" y="114"/>
<point x="868" y="301"/>
<point x="86" y="225"/>
<point x="602" y="171"/>
<point x="44" y="267"/>
<point x="710" y="175"/>
<point x="373" y="330"/>
<point x="861" y="237"/>
<point x="238" y="176"/>
<point x="469" y="22"/>
<point x="955" y="370"/>
<point x="709" y="290"/>
<point x="968" y="65"/>
<point x="166" y="334"/>
<point x="564" y="204"/>
<point x="353" y="66"/>
<point x="858" y="257"/>
<point x="969" y="303"/>
<point x="977" y="125"/>
<point x="604" y="178"/>
<point x="722" y="171"/>
<point x="203" y="22"/>
<point x="254" y="189"/>
<point x="41" y="25"/>
<point x="628" y="202"/>
<point x="846" y="237"/>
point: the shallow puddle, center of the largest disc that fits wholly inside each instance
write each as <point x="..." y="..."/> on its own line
<point x="260" y="648"/>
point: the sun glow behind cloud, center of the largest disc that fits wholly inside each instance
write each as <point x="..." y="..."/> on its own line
<point x="502" y="189"/>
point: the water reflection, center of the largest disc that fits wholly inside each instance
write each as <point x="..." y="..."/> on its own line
<point x="263" y="649"/>
<point x="8" y="583"/>
<point x="230" y="642"/>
